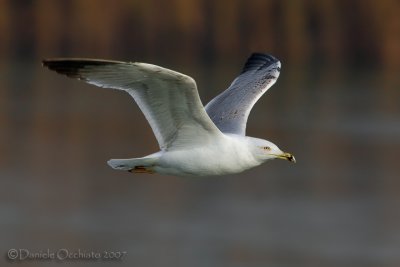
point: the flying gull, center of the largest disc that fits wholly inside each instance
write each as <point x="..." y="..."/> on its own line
<point x="194" y="140"/>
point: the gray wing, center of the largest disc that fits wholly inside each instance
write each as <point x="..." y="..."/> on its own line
<point x="230" y="109"/>
<point x="168" y="99"/>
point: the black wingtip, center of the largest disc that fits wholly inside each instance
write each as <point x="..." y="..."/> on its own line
<point x="258" y="61"/>
<point x="72" y="66"/>
<point x="67" y="67"/>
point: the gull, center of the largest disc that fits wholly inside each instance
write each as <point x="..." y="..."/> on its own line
<point x="194" y="140"/>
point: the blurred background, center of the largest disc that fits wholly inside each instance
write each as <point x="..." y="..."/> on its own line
<point x="336" y="107"/>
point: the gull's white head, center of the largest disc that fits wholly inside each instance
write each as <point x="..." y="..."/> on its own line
<point x="265" y="150"/>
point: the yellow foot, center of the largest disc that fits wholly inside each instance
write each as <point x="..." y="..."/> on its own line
<point x="141" y="169"/>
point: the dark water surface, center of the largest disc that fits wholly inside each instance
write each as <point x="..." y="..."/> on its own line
<point x="338" y="206"/>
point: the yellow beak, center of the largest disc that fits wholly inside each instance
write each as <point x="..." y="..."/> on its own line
<point x="286" y="156"/>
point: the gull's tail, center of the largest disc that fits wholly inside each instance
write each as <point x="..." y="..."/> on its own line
<point x="138" y="165"/>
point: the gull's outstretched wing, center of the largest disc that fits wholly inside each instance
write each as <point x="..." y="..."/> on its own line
<point x="230" y="109"/>
<point x="168" y="99"/>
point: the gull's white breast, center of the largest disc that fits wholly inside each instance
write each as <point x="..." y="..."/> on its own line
<point x="229" y="154"/>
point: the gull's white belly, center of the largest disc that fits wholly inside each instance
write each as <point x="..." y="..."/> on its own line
<point x="230" y="156"/>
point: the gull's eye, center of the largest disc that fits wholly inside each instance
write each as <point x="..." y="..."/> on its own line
<point x="266" y="148"/>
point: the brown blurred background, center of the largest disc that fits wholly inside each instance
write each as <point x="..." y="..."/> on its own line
<point x="336" y="107"/>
